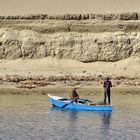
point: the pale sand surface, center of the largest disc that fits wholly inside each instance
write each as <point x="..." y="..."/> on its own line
<point x="51" y="66"/>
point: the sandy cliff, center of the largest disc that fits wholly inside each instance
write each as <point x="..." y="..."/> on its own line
<point x="84" y="47"/>
<point x="86" y="38"/>
<point x="112" y="39"/>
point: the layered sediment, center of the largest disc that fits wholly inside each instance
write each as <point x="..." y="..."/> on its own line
<point x="85" y="38"/>
<point x="119" y="16"/>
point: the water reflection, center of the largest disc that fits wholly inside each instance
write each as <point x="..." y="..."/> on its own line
<point x="30" y="117"/>
<point x="106" y="118"/>
<point x="69" y="121"/>
<point x="105" y="127"/>
<point x="72" y="128"/>
<point x="81" y="122"/>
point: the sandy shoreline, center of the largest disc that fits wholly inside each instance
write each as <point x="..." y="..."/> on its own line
<point x="66" y="90"/>
<point x="55" y="73"/>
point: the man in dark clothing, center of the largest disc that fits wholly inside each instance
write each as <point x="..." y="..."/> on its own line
<point x="107" y="85"/>
<point x="75" y="95"/>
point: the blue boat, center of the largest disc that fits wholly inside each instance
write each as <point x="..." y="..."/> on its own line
<point x="65" y="103"/>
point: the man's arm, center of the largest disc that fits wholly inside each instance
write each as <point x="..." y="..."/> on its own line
<point x="104" y="84"/>
<point x="110" y="84"/>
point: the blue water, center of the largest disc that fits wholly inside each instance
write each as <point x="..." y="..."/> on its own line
<point x="24" y="117"/>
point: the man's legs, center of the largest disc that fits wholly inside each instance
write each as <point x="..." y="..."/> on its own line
<point x="105" y="93"/>
<point x="108" y="94"/>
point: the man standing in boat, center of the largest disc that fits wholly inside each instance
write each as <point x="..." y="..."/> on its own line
<point x="107" y="86"/>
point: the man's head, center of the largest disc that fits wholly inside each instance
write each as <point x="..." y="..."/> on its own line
<point x="107" y="78"/>
<point x="76" y="87"/>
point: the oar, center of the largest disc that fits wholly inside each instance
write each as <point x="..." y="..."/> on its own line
<point x="68" y="104"/>
<point x="86" y="100"/>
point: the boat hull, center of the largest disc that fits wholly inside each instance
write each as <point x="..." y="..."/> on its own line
<point x="55" y="101"/>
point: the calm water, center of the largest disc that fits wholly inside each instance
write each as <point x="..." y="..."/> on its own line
<point x="29" y="117"/>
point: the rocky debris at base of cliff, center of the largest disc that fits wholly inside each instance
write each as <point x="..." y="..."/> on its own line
<point x="69" y="80"/>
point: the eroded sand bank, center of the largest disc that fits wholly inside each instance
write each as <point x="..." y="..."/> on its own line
<point x="34" y="73"/>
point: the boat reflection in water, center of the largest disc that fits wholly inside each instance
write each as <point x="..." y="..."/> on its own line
<point x="93" y="123"/>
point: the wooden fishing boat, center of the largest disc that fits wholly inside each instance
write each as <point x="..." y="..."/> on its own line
<point x="65" y="103"/>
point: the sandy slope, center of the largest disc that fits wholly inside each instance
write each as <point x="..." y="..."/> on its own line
<point x="51" y="66"/>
